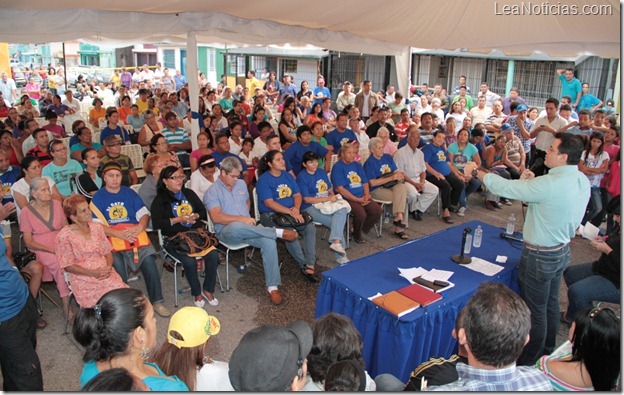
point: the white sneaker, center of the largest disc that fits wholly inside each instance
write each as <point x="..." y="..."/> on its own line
<point x="199" y="303"/>
<point x="342" y="260"/>
<point x="462" y="211"/>
<point x="337" y="247"/>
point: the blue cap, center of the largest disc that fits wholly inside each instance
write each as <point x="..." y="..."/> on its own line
<point x="505" y="126"/>
<point x="522" y="107"/>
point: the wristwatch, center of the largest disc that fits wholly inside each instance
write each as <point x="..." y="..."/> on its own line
<point x="475" y="173"/>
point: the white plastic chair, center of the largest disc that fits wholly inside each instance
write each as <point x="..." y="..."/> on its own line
<point x="135" y="152"/>
<point x="228" y="248"/>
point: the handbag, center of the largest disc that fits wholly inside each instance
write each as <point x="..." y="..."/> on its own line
<point x="193" y="242"/>
<point x="328" y="208"/>
<point x="388" y="185"/>
<point x="22" y="259"/>
<point x="286" y="220"/>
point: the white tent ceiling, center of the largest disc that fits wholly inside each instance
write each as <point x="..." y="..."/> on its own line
<point x="346" y="25"/>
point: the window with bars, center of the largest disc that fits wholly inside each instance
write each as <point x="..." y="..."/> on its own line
<point x="169" y="58"/>
<point x="289" y="66"/>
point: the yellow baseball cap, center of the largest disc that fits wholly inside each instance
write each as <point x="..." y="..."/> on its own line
<point x="194" y="325"/>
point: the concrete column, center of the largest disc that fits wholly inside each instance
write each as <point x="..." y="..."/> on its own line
<point x="510" y="76"/>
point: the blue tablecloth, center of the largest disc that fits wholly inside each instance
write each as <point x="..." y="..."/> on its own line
<point x="397" y="346"/>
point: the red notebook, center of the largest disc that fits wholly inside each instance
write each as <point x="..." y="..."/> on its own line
<point x="420" y="294"/>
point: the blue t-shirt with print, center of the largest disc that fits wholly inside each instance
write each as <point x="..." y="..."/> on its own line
<point x="62" y="175"/>
<point x="351" y="176"/>
<point x="8" y="178"/>
<point x="375" y="168"/>
<point x="118" y="208"/>
<point x="181" y="207"/>
<point x="325" y="91"/>
<point x="436" y="157"/>
<point x="281" y="189"/>
<point x="118" y="131"/>
<point x="313" y="185"/>
<point x="294" y="153"/>
<point x="337" y="139"/>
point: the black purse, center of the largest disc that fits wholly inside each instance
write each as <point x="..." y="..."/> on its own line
<point x="388" y="185"/>
<point x="22" y="259"/>
<point x="193" y="242"/>
<point x="287" y="221"/>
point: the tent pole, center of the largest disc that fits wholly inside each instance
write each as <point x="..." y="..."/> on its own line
<point x="511" y="66"/>
<point x="191" y="72"/>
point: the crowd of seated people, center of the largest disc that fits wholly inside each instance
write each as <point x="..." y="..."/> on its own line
<point x="280" y="141"/>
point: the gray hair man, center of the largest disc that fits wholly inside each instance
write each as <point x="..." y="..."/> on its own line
<point x="227" y="203"/>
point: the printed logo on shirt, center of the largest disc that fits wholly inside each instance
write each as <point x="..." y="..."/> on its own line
<point x="344" y="141"/>
<point x="385" y="169"/>
<point x="321" y="188"/>
<point x="6" y="190"/>
<point x="117" y="213"/>
<point x="284" y="191"/>
<point x="182" y="208"/>
<point x="441" y="156"/>
<point x="354" y="179"/>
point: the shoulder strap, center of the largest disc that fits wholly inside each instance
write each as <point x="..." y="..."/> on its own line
<point x="98" y="213"/>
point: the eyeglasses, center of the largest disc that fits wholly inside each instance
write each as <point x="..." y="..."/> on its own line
<point x="177" y="178"/>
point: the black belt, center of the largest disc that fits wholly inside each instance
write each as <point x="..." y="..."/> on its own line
<point x="542" y="248"/>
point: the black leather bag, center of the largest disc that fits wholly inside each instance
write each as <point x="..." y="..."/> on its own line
<point x="22" y="259"/>
<point x="388" y="185"/>
<point x="287" y="221"/>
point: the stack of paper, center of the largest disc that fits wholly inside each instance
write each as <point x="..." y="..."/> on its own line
<point x="427" y="277"/>
<point x="483" y="266"/>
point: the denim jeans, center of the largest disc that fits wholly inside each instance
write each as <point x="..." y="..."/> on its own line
<point x="259" y="237"/>
<point x="21" y="369"/>
<point x="469" y="188"/>
<point x="335" y="222"/>
<point x="147" y="264"/>
<point x="211" y="263"/>
<point x="594" y="207"/>
<point x="585" y="286"/>
<point x="539" y="277"/>
<point x="304" y="257"/>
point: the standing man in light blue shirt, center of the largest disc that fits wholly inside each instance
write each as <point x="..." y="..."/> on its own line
<point x="227" y="203"/>
<point x="557" y="203"/>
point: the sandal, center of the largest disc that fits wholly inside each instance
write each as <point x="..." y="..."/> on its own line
<point x="309" y="273"/>
<point x="399" y="224"/>
<point x="41" y="323"/>
<point x="448" y="220"/>
<point x="402" y="235"/>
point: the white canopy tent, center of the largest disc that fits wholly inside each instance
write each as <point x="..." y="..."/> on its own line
<point x="386" y="28"/>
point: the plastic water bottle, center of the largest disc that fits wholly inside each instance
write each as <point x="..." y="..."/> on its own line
<point x="478" y="237"/>
<point x="511" y="224"/>
<point x="468" y="245"/>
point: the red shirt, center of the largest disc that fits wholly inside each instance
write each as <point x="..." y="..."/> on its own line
<point x="401" y="129"/>
<point x="44" y="157"/>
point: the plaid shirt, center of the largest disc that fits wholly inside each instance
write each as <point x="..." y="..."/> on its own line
<point x="512" y="378"/>
<point x="528" y="124"/>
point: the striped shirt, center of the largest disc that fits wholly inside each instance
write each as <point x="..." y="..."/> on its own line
<point x="528" y="125"/>
<point x="557" y="383"/>
<point x="511" y="378"/>
<point x="178" y="136"/>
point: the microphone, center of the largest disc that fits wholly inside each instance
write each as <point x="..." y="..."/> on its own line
<point x="539" y="162"/>
<point x="461" y="258"/>
<point x="507" y="236"/>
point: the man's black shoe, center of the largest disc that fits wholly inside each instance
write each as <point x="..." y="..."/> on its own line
<point x="417" y="215"/>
